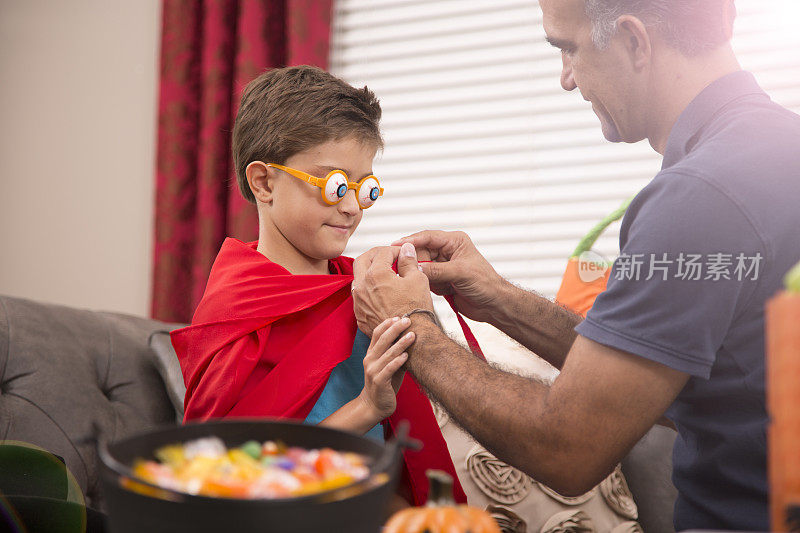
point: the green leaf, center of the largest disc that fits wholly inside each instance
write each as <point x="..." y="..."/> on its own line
<point x="792" y="279"/>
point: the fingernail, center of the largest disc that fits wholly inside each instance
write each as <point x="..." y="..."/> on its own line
<point x="404" y="355"/>
<point x="419" y="266"/>
<point x="395" y="319"/>
<point x="408" y="250"/>
<point x="409" y="334"/>
<point x="406" y="320"/>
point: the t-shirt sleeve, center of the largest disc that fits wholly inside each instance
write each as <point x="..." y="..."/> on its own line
<point x="690" y="260"/>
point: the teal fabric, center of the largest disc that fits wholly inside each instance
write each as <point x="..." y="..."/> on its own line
<point x="344" y="384"/>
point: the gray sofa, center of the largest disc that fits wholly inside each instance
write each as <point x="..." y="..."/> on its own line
<point x="65" y="371"/>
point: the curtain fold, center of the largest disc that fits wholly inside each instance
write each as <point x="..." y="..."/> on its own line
<point x="210" y="50"/>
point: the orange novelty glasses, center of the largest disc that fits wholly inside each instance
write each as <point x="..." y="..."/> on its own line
<point x="336" y="184"/>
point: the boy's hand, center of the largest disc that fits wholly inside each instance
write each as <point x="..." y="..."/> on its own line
<point x="382" y="366"/>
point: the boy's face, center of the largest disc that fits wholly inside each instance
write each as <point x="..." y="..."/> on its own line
<point x="315" y="229"/>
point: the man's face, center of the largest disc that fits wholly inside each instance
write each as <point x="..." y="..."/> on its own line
<point x="601" y="76"/>
<point x="315" y="229"/>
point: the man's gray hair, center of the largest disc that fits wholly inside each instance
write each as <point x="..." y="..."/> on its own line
<point x="691" y="26"/>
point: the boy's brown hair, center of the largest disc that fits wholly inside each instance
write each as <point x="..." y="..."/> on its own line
<point x="287" y="110"/>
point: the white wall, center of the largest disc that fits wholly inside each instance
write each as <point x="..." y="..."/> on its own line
<point x="78" y="108"/>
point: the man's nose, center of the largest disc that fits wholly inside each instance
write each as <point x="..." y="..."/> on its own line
<point x="567" y="79"/>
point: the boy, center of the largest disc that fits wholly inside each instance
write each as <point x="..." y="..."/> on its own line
<point x="275" y="333"/>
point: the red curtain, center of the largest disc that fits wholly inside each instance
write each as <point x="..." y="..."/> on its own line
<point x="211" y="49"/>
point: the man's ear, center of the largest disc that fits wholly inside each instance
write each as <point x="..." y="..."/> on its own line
<point x="261" y="181"/>
<point x="635" y="40"/>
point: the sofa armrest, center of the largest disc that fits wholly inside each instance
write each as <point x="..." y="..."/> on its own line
<point x="166" y="362"/>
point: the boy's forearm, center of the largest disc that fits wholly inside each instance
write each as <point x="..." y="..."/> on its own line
<point x="355" y="416"/>
<point x="544" y="327"/>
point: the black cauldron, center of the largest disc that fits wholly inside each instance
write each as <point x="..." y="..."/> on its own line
<point x="137" y="506"/>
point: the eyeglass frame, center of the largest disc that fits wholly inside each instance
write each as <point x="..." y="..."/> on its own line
<point x="322" y="183"/>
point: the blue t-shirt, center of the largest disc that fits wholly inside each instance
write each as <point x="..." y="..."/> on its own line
<point x="344" y="384"/>
<point x="715" y="232"/>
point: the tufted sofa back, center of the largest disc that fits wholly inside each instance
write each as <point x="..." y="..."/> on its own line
<point x="63" y="370"/>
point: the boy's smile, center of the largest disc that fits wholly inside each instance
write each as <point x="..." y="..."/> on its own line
<point x="299" y="231"/>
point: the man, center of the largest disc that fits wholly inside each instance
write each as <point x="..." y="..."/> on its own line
<point x="679" y="331"/>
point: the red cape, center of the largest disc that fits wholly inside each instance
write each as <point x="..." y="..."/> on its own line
<point x="236" y="364"/>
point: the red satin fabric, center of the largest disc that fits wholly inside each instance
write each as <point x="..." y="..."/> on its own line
<point x="263" y="342"/>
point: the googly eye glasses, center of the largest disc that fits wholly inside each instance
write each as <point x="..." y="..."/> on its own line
<point x="336" y="184"/>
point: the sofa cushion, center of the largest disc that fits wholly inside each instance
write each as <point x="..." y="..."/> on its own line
<point x="65" y="371"/>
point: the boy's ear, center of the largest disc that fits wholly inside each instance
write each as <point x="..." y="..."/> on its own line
<point x="260" y="180"/>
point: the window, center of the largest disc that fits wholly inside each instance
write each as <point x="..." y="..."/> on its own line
<point x="481" y="137"/>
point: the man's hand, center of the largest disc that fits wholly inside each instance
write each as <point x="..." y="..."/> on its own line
<point x="458" y="268"/>
<point x="379" y="293"/>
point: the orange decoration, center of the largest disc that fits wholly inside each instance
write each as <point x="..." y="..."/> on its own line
<point x="783" y="403"/>
<point x="441" y="515"/>
<point x="587" y="273"/>
<point x="576" y="294"/>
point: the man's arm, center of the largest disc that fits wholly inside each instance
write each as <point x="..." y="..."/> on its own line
<point x="569" y="436"/>
<point x="480" y="293"/>
<point x="543" y="327"/>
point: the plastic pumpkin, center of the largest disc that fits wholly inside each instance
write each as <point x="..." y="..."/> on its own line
<point x="441" y="514"/>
